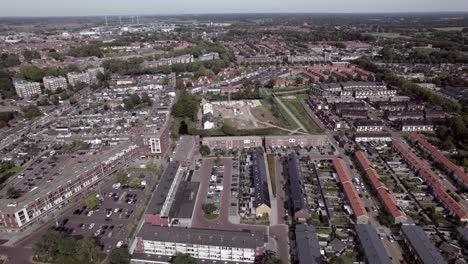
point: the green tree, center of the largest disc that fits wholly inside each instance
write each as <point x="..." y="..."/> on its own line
<point x="92" y="203"/>
<point x="134" y="183"/>
<point x="183" y="259"/>
<point x="119" y="256"/>
<point x="88" y="252"/>
<point x="30" y="54"/>
<point x="32" y="73"/>
<point x="205" y="150"/>
<point x="32" y="111"/>
<point x="12" y="192"/>
<point x="209" y="208"/>
<point x="271" y="260"/>
<point x="121" y="177"/>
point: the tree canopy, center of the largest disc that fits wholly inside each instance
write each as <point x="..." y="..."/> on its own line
<point x="54" y="247"/>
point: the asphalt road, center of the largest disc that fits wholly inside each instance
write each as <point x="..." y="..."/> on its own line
<point x="20" y="255"/>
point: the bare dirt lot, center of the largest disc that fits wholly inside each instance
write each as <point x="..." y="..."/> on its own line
<point x="239" y="113"/>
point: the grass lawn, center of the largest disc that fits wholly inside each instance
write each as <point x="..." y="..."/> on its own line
<point x="211" y="216"/>
<point x="296" y="107"/>
<point x="449" y="29"/>
<point x="263" y="114"/>
<point x="291" y="123"/>
<point x="389" y="35"/>
<point x="271" y="170"/>
<point x="12" y="171"/>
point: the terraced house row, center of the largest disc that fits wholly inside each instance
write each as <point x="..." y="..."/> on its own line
<point x="386" y="198"/>
<point x="454" y="208"/>
<point x="351" y="193"/>
<point x="457" y="173"/>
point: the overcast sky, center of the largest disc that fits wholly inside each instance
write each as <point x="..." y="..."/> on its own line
<point x="134" y="7"/>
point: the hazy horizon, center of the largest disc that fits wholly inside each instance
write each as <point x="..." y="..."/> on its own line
<point x="57" y="8"/>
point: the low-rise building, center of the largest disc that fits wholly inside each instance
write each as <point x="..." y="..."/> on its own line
<point x="373" y="137"/>
<point x="416" y="125"/>
<point x="371" y="246"/>
<point x="453" y="207"/>
<point x="354" y="114"/>
<point x="421" y="248"/>
<point x="307" y="245"/>
<point x="350" y="192"/>
<point x="403" y="115"/>
<point x="369" y="125"/>
<point x="208" y="121"/>
<point x="296" y="141"/>
<point x="296" y="189"/>
<point x="235" y="143"/>
<point x="261" y="197"/>
<point x="456" y="172"/>
<point x="385" y="197"/>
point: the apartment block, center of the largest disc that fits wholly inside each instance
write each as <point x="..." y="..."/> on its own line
<point x="53" y="83"/>
<point x="157" y="244"/>
<point x="25" y="89"/>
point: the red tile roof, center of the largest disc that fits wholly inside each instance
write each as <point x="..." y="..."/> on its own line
<point x="385" y="196"/>
<point x="437" y="187"/>
<point x="441" y="158"/>
<point x="349" y="189"/>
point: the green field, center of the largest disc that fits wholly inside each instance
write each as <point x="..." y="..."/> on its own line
<point x="271" y="170"/>
<point x="449" y="29"/>
<point x="390" y="35"/>
<point x="263" y="114"/>
<point x="291" y="123"/>
<point x="211" y="216"/>
<point x="296" y="107"/>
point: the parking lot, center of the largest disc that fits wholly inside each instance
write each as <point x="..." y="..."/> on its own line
<point x="113" y="220"/>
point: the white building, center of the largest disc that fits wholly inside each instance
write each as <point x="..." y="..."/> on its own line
<point x="207" y="108"/>
<point x="52" y="83"/>
<point x="76" y="77"/>
<point x="157" y="244"/>
<point x="26" y="89"/>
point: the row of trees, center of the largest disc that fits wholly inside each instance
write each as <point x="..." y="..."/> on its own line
<point x="424" y="56"/>
<point x="36" y="74"/>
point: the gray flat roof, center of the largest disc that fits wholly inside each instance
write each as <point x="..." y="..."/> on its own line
<point x="262" y="196"/>
<point x="207" y="237"/>
<point x="161" y="192"/>
<point x="421" y="244"/>
<point x="72" y="169"/>
<point x="463" y="231"/>
<point x="371" y="245"/>
<point x="308" y="248"/>
<point x="296" y="186"/>
<point x="185" y="198"/>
